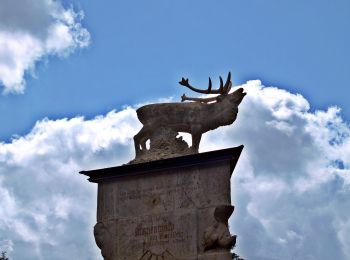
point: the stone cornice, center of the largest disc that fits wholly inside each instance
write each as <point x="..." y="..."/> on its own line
<point x="207" y="158"/>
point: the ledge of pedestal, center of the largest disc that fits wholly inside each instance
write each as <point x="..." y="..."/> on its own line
<point x="200" y="159"/>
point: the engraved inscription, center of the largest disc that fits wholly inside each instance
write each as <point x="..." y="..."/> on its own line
<point x="144" y="231"/>
<point x="135" y="194"/>
<point x="158" y="234"/>
<point x="165" y="196"/>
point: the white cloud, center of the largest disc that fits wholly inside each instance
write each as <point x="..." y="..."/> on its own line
<point x="291" y="187"/>
<point x="45" y="204"/>
<point x="31" y="31"/>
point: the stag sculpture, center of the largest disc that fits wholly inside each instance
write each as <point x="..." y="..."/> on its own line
<point x="162" y="122"/>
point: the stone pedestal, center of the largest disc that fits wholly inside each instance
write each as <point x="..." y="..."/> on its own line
<point x="174" y="208"/>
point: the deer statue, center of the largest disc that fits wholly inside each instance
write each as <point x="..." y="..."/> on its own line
<point x="196" y="117"/>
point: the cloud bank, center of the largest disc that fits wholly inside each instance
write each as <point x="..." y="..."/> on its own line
<point x="292" y="183"/>
<point x="31" y="31"/>
<point x="291" y="187"/>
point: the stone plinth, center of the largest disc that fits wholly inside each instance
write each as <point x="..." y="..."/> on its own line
<point x="174" y="208"/>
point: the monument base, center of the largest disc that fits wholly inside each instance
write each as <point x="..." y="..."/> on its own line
<point x="169" y="209"/>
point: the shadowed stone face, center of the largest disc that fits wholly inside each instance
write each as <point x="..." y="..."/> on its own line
<point x="162" y="122"/>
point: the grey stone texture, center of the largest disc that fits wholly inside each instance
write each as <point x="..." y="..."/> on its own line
<point x="175" y="208"/>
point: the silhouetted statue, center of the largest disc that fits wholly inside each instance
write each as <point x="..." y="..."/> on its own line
<point x="162" y="122"/>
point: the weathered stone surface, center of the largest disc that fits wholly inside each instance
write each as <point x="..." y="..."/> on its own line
<point x="213" y="227"/>
<point x="174" y="190"/>
<point x="171" y="209"/>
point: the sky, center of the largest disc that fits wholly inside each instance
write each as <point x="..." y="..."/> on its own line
<point x="73" y="72"/>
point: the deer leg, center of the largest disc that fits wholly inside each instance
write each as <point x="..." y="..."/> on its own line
<point x="196" y="138"/>
<point x="143" y="144"/>
<point x="137" y="145"/>
<point x="138" y="140"/>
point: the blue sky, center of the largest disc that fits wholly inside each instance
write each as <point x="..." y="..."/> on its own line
<point x="62" y="63"/>
<point x="139" y="50"/>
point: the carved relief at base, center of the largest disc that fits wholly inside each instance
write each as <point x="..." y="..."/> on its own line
<point x="104" y="233"/>
<point x="218" y="236"/>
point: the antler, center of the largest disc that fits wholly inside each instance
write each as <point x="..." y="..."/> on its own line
<point x="223" y="89"/>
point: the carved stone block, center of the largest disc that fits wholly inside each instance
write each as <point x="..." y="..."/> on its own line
<point x="175" y="208"/>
